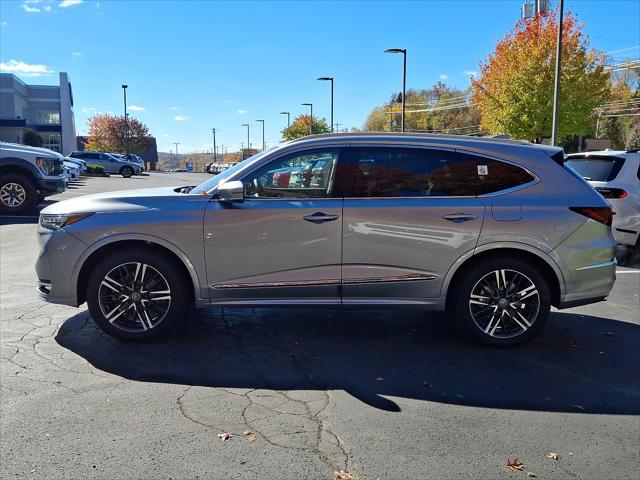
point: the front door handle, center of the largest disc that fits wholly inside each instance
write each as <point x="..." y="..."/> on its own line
<point x="459" y="217"/>
<point x="320" y="217"/>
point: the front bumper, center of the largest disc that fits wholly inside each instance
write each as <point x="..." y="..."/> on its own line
<point x="53" y="184"/>
<point x="59" y="251"/>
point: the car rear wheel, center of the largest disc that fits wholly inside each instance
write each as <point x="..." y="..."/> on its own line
<point x="126" y="172"/>
<point x="502" y="302"/>
<point x="137" y="295"/>
<point x="17" y="194"/>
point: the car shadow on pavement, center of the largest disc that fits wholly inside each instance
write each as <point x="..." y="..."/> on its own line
<point x="30" y="216"/>
<point x="579" y="363"/>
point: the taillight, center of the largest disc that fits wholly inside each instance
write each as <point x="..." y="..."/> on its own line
<point x="599" y="214"/>
<point x="607" y="192"/>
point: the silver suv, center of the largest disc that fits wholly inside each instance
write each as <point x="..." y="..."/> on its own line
<point x="492" y="230"/>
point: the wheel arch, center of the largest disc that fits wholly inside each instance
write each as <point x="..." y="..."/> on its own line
<point x="97" y="251"/>
<point x="537" y="257"/>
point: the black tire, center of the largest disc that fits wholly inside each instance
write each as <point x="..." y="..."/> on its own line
<point x="130" y="326"/>
<point x="505" y="326"/>
<point x="126" y="172"/>
<point x="16" y="187"/>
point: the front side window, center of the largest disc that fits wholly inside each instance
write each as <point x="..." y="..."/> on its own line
<point x="306" y="174"/>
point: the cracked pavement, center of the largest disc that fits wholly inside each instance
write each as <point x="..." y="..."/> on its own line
<point x="380" y="393"/>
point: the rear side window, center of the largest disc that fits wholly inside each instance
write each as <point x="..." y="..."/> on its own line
<point x="602" y="168"/>
<point x="419" y="172"/>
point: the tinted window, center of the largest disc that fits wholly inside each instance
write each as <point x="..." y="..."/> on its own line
<point x="416" y="172"/>
<point x="299" y="175"/>
<point x="597" y="168"/>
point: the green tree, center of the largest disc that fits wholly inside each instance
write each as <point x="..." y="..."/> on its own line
<point x="107" y="134"/>
<point x="515" y="89"/>
<point x="301" y="127"/>
<point x="633" y="139"/>
<point x="33" y="139"/>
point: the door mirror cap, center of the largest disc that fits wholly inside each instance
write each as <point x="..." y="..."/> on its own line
<point x="231" y="192"/>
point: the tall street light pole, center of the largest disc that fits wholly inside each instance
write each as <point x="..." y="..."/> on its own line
<point x="263" y="144"/>
<point x="126" y="121"/>
<point x="248" y="144"/>
<point x="176" y="144"/>
<point x="311" y="122"/>
<point x="288" y="118"/>
<point x="403" y="51"/>
<point x="556" y="90"/>
<point x="331" y="80"/>
<point x="215" y="153"/>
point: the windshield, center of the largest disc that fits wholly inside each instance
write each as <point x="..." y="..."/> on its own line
<point x="222" y="177"/>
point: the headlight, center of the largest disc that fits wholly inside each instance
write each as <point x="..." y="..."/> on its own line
<point x="50" y="166"/>
<point x="56" y="222"/>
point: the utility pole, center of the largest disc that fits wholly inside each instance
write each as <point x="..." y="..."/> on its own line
<point x="403" y="51"/>
<point x="215" y="158"/>
<point x="176" y="144"/>
<point x="556" y="91"/>
<point x="338" y="127"/>
<point x="248" y="142"/>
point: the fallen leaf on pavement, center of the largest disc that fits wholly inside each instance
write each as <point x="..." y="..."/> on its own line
<point x="224" y="436"/>
<point x="344" y="475"/>
<point x="380" y="379"/>
<point x="531" y="474"/>
<point x="251" y="437"/>
<point x="553" y="456"/>
<point x="514" y="464"/>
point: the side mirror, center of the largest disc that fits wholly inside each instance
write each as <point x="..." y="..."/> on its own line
<point x="231" y="192"/>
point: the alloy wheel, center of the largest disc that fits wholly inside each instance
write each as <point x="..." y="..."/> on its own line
<point x="504" y="303"/>
<point x="134" y="297"/>
<point x="12" y="195"/>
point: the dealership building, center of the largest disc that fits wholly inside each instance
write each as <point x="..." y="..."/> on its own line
<point x="45" y="109"/>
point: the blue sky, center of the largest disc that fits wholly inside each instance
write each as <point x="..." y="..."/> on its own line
<point x="193" y="65"/>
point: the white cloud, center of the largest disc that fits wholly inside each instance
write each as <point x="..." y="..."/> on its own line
<point x="174" y="108"/>
<point x="77" y="54"/>
<point x="471" y="73"/>
<point x="443" y="76"/>
<point x="69" y="3"/>
<point x="165" y="134"/>
<point x="135" y="108"/>
<point x="24" y="69"/>
<point x="242" y="112"/>
<point x="47" y="8"/>
<point x="29" y="9"/>
<point x="181" y="118"/>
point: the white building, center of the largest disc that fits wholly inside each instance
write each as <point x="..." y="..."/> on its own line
<point x="46" y="109"/>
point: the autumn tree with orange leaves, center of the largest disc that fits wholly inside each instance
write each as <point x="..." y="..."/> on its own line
<point x="300" y="127"/>
<point x="514" y="91"/>
<point x="107" y="134"/>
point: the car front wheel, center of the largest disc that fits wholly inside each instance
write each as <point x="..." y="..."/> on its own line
<point x="137" y="295"/>
<point x="126" y="172"/>
<point x="502" y="302"/>
<point x="17" y="194"/>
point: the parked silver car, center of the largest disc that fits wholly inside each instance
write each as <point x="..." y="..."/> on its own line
<point x="109" y="162"/>
<point x="492" y="230"/>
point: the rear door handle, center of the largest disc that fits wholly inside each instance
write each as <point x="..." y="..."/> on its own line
<point x="459" y="217"/>
<point x="320" y="217"/>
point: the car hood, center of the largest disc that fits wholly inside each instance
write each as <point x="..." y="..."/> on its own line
<point x="28" y="149"/>
<point x="121" y="201"/>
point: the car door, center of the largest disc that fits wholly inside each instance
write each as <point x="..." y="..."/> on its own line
<point x="109" y="163"/>
<point x="282" y="244"/>
<point x="408" y="215"/>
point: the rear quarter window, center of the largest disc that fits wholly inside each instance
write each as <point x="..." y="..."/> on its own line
<point x="491" y="176"/>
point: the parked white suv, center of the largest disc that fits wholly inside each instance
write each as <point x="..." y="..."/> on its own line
<point x="616" y="175"/>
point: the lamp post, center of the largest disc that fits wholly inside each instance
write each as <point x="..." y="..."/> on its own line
<point x="288" y="118"/>
<point x="215" y="153"/>
<point x="176" y="144"/>
<point x="263" y="144"/>
<point x="248" y="144"/>
<point x="403" y="51"/>
<point x="126" y="121"/>
<point x="311" y="122"/>
<point x="556" y="90"/>
<point x="331" y="80"/>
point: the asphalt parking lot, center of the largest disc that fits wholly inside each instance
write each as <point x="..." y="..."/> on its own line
<point x="388" y="394"/>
